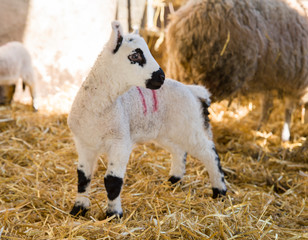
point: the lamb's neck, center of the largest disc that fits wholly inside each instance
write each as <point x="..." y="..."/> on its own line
<point x="104" y="89"/>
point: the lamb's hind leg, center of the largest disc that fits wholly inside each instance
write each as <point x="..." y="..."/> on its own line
<point x="178" y="163"/>
<point x="28" y="79"/>
<point x="204" y="150"/>
<point x="87" y="160"/>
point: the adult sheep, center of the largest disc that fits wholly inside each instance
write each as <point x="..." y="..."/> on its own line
<point x="110" y="114"/>
<point x="15" y="63"/>
<point x="242" y="47"/>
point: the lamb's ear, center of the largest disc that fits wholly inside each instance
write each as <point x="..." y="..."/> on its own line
<point x="136" y="31"/>
<point x="116" y="37"/>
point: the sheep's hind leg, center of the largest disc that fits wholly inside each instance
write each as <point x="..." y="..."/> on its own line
<point x="117" y="160"/>
<point x="267" y="108"/>
<point x="306" y="113"/>
<point x="205" y="151"/>
<point x="285" y="135"/>
<point x="86" y="165"/>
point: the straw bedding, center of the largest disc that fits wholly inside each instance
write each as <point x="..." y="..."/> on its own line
<point x="267" y="183"/>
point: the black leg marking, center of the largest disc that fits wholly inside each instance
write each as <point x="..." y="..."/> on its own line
<point x="218" y="161"/>
<point x="113" y="186"/>
<point x="111" y="213"/>
<point x="83" y="181"/>
<point x="174" y="179"/>
<point x="214" y="149"/>
<point x="218" y="193"/>
<point x="78" y="210"/>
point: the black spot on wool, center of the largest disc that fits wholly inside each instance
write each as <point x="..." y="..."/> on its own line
<point x="206" y="113"/>
<point x="113" y="186"/>
<point x="184" y="158"/>
<point x="83" y="181"/>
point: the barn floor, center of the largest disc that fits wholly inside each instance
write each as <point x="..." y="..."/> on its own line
<point x="267" y="183"/>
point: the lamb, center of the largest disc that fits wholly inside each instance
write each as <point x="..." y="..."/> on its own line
<point x="117" y="106"/>
<point x="15" y="63"/>
<point x="244" y="47"/>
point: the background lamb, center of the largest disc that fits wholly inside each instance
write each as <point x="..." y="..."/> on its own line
<point x="103" y="121"/>
<point x="15" y="63"/>
<point x="246" y="47"/>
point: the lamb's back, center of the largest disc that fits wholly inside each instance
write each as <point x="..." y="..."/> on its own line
<point x="152" y="113"/>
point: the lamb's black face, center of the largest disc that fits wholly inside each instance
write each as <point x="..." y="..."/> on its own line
<point x="6" y="94"/>
<point x="157" y="80"/>
<point x="137" y="57"/>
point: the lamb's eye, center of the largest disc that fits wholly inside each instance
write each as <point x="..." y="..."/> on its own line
<point x="135" y="57"/>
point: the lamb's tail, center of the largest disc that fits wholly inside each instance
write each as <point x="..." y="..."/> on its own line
<point x="204" y="96"/>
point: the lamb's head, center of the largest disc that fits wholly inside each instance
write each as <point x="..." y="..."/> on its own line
<point x="6" y="94"/>
<point x="132" y="61"/>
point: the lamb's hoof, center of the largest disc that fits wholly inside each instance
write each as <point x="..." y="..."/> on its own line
<point x="217" y="193"/>
<point x="113" y="213"/>
<point x="174" y="179"/>
<point x="78" y="210"/>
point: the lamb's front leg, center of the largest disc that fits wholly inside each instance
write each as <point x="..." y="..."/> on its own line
<point x="87" y="159"/>
<point x="118" y="157"/>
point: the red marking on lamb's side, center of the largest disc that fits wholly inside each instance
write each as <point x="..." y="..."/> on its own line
<point x="143" y="101"/>
<point x="144" y="104"/>
<point x="155" y="101"/>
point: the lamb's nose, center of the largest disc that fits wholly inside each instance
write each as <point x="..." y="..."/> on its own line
<point x="156" y="80"/>
<point x="159" y="76"/>
<point x="162" y="77"/>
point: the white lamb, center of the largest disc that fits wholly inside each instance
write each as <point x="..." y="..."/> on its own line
<point x="110" y="114"/>
<point x="15" y="63"/>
